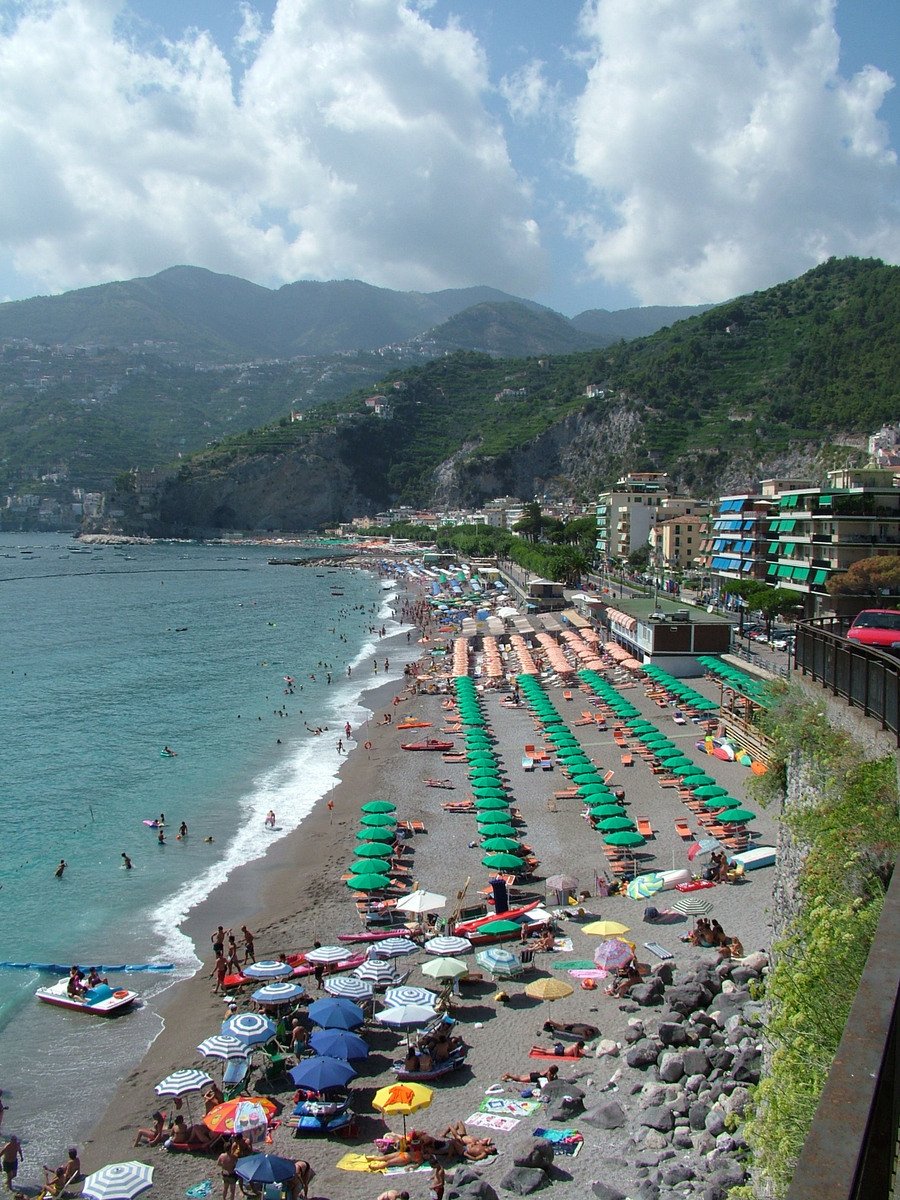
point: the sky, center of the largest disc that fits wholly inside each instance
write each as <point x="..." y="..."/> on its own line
<point x="582" y="153"/>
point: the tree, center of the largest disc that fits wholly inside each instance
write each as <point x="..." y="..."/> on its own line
<point x="868" y="577"/>
<point x="531" y="522"/>
<point x="638" y="559"/>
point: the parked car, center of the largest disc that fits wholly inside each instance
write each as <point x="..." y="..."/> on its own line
<point x="878" y="627"/>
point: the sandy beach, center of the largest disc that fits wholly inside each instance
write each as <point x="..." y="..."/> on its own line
<point x="295" y="896"/>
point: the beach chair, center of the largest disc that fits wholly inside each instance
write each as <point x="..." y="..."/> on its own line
<point x="678" y="717"/>
<point x="627" y="760"/>
<point x="235" y="1076"/>
<point x="683" y="829"/>
<point x="546" y="763"/>
<point x="567" y="695"/>
<point x="644" y="827"/>
<point x="527" y="762"/>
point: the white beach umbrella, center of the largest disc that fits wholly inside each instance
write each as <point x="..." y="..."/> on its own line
<point x="380" y="972"/>
<point x="397" y="997"/>
<point x="421" y="902"/>
<point x="223" y="1046"/>
<point x="407" y="1016"/>
<point x="180" y="1083"/>
<point x="277" y="992"/>
<point x="448" y="944"/>
<point x="268" y="968"/>
<point x="394" y="947"/>
<point x="327" y="954"/>
<point x="118" y="1181"/>
<point x="253" y="1029"/>
<point x="349" y="986"/>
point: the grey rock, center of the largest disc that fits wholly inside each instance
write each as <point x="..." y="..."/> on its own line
<point x="647" y="1190"/>
<point x="642" y="1053"/>
<point x="606" y="1191"/>
<point x="658" y="1118"/>
<point x="726" y="1144"/>
<point x="634" y="1031"/>
<point x="704" y="1143"/>
<point x="728" y="1174"/>
<point x="694" y="1083"/>
<point x="652" y="1094"/>
<point x="672" y="1033"/>
<point x="655" y="1140"/>
<point x="746" y="1067"/>
<point x="646" y="994"/>
<point x="683" y="1139"/>
<point x="697" y="1116"/>
<point x="743" y="975"/>
<point x="558" y="1088"/>
<point x="720" y="1058"/>
<point x="687" y="998"/>
<point x="648" y="1158"/>
<point x="715" y="1122"/>
<point x="677" y="1173"/>
<point x="695" y="1061"/>
<point x="679" y="1106"/>
<point x="468" y="1185"/>
<point x="671" y="1067"/>
<point x="738" y="1099"/>
<point x="533" y="1152"/>
<point x="609" y="1115"/>
<point x="565" y="1108"/>
<point x="523" y="1180"/>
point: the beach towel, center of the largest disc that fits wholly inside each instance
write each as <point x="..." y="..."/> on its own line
<point x="407" y="1170"/>
<point x="532" y="1053"/>
<point x="199" y="1190"/>
<point x="352" y="1161"/>
<point x="573" y="964"/>
<point x="492" y="1121"/>
<point x="504" y="1107"/>
<point x="564" y="1141"/>
<point x="563" y="944"/>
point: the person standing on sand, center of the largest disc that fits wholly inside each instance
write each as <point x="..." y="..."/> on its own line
<point x="436" y="1182"/>
<point x="220" y="970"/>
<point x="249" y="952"/>
<point x="226" y="1162"/>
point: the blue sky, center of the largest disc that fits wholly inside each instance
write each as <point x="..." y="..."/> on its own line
<point x="600" y="153"/>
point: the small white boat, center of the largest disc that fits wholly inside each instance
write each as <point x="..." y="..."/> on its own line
<point x="101" y="1000"/>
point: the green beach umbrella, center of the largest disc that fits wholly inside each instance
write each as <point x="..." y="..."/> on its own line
<point x="368" y="883"/>
<point x="737" y="816"/>
<point x="379" y="806"/>
<point x="374" y="820"/>
<point x="376" y="835"/>
<point x="613" y="824"/>
<point x="624" y="837"/>
<point x="497" y="927"/>
<point x="370" y="850"/>
<point x="507" y="831"/>
<point x="583" y="775"/>
<point x="487" y="803"/>
<point x="594" y="789"/>
<point x="502" y="862"/>
<point x="493" y="793"/>
<point x="369" y="866"/>
<point x="709" y="790"/>
<point x="682" y="760"/>
<point x="688" y="769"/>
<point x="663" y="754"/>
<point x="698" y="781"/>
<point x="499" y="843"/>
<point x="494" y="816"/>
<point x="606" y="810"/>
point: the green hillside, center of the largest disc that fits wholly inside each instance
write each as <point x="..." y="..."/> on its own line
<point x="509" y="329"/>
<point x="800" y="362"/>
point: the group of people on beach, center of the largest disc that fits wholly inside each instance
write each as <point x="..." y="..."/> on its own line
<point x="56" y="1179"/>
<point x="710" y="934"/>
<point x="227" y="955"/>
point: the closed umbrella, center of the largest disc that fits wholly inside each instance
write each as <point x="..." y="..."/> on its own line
<point x="338" y="1043"/>
<point x="118" y="1181"/>
<point x="560" y="883"/>
<point x="322" y="1072"/>
<point x="548" y="988"/>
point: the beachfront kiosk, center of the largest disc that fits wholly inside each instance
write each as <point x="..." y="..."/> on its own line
<point x="665" y="634"/>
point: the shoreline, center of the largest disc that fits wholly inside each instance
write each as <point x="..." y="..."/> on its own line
<point x="268" y="894"/>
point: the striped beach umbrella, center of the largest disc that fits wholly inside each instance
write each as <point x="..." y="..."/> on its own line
<point x="395" y="947"/>
<point x="349" y="987"/>
<point x="326" y="954"/>
<point x="268" y="968"/>
<point x="448" y="944"/>
<point x="396" y="997"/>
<point x="118" y="1181"/>
<point x="278" y="992"/>
<point x="253" y="1029"/>
<point x="224" y="1047"/>
<point x="380" y="972"/>
<point x="183" y="1082"/>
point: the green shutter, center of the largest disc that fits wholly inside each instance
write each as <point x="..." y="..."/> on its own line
<point x="825" y="501"/>
<point x="789" y="548"/>
<point x="819" y="578"/>
<point x="801" y="574"/>
<point x="773" y="570"/>
<point x="773" y="548"/>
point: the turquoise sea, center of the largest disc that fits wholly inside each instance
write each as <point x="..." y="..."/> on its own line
<point x="108" y="655"/>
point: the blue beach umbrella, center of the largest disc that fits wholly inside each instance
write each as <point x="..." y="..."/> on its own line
<point x="338" y="1043"/>
<point x="322" y="1072"/>
<point x="253" y="1029"/>
<point x="336" y="1013"/>
<point x="265" y="1168"/>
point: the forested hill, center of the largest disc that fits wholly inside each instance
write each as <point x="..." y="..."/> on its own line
<point x="717" y="400"/>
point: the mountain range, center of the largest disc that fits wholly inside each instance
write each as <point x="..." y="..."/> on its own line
<point x="195" y="315"/>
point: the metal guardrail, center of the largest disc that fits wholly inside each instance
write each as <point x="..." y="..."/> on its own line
<point x="865" y="677"/>
<point x="850" y="1151"/>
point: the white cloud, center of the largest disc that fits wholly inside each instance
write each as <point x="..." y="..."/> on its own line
<point x="355" y="144"/>
<point x="728" y="147"/>
<point x="527" y="92"/>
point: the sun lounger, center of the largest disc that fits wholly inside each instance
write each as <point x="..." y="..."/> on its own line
<point x="567" y="695"/>
<point x="546" y="763"/>
<point x="644" y="827"/>
<point x="566" y="793"/>
<point x="527" y="762"/>
<point x="529" y="749"/>
<point x="627" y="760"/>
<point x="413" y="826"/>
<point x="683" y="830"/>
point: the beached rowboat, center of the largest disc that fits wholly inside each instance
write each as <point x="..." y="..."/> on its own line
<point x="427" y="744"/>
